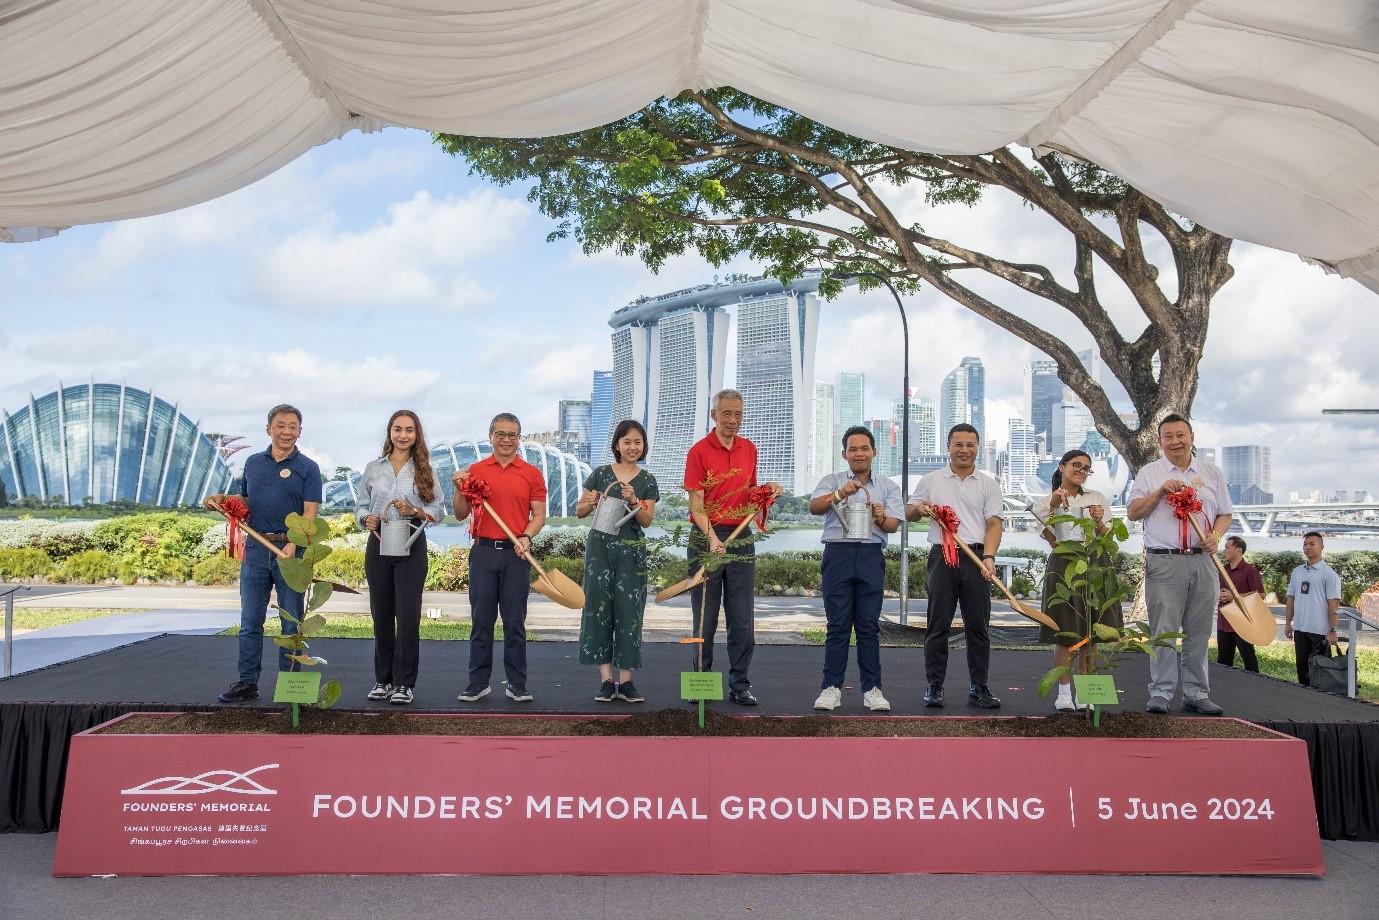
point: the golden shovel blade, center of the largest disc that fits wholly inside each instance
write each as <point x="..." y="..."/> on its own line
<point x="560" y="588"/>
<point x="1255" y="624"/>
<point x="680" y="587"/>
<point x="1037" y="616"/>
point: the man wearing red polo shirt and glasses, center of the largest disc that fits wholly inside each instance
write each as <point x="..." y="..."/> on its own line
<point x="720" y="472"/>
<point x="499" y="573"/>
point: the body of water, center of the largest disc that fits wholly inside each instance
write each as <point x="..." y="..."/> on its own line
<point x="808" y="538"/>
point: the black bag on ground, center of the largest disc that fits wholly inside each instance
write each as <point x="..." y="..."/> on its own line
<point x="1329" y="674"/>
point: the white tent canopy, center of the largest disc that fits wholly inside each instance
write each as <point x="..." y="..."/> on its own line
<point x="1256" y="118"/>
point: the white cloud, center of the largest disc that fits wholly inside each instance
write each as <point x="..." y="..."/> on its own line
<point x="418" y="256"/>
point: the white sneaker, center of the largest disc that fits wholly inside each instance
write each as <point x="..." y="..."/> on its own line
<point x="380" y="692"/>
<point x="830" y="698"/>
<point x="1064" y="703"/>
<point x="875" y="700"/>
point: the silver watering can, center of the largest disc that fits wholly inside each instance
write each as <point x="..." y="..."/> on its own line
<point x="395" y="537"/>
<point x="608" y="517"/>
<point x="856" y="519"/>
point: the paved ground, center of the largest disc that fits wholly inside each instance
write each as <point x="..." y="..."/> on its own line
<point x="1347" y="893"/>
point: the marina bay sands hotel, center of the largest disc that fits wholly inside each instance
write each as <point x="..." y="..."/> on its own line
<point x="669" y="354"/>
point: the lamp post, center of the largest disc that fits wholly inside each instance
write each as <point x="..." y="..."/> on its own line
<point x="904" y="451"/>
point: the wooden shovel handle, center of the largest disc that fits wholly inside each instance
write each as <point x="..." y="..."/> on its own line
<point x="267" y="543"/>
<point x="488" y="509"/>
<point x="978" y="561"/>
<point x="1230" y="585"/>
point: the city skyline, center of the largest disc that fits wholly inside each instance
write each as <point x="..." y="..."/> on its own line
<point x="319" y="279"/>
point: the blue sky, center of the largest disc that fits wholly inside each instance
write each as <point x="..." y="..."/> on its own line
<point x="374" y="273"/>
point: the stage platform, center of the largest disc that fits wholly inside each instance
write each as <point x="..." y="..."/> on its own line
<point x="40" y="710"/>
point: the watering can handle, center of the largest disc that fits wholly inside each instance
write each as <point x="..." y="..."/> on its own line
<point x="838" y="506"/>
<point x="631" y="509"/>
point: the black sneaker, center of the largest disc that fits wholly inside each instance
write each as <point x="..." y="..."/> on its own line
<point x="474" y="692"/>
<point x="933" y="697"/>
<point x="742" y="697"/>
<point x="380" y="692"/>
<point x="241" y="691"/>
<point x="606" y="692"/>
<point x="519" y="694"/>
<point x="628" y="693"/>
<point x="981" y="697"/>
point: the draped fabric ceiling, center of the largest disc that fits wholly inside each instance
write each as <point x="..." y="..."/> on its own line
<point x="1256" y="118"/>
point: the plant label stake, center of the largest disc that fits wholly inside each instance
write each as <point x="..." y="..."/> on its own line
<point x="701" y="686"/>
<point x="1098" y="690"/>
<point x="297" y="687"/>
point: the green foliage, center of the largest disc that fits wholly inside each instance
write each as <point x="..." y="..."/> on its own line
<point x="24" y="562"/>
<point x="574" y="568"/>
<point x="300" y="572"/>
<point x="159" y="546"/>
<point x="342" y="525"/>
<point x="219" y="569"/>
<point x="344" y="565"/>
<point x="448" y="570"/>
<point x="1092" y="582"/>
<point x="88" y="567"/>
<point x="788" y="570"/>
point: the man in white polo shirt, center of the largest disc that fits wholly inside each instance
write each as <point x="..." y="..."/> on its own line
<point x="976" y="498"/>
<point x="1181" y="584"/>
<point x="1314" y="602"/>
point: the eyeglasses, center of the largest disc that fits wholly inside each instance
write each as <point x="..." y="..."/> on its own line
<point x="504" y="435"/>
<point x="1080" y="467"/>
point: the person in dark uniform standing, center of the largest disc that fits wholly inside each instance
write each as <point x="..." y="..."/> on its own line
<point x="277" y="482"/>
<point x="976" y="498"/>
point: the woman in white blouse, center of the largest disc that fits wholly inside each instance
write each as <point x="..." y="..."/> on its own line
<point x="400" y="483"/>
<point x="1069" y="497"/>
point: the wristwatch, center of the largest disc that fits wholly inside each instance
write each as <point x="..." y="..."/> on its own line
<point x="992" y="558"/>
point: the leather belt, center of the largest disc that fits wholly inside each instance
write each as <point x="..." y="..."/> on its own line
<point x="496" y="544"/>
<point x="1191" y="551"/>
<point x="274" y="537"/>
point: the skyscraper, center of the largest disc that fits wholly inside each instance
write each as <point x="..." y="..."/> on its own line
<point x="827" y="450"/>
<point x="1022" y="457"/>
<point x="1043" y="391"/>
<point x="574" y="416"/>
<point x="887" y="435"/>
<point x="1071" y="423"/>
<point x="962" y="397"/>
<point x="1249" y="473"/>
<point x="668" y="354"/>
<point x="600" y="417"/>
<point x="852" y="389"/>
<point x="775" y="374"/>
<point x="924" y="438"/>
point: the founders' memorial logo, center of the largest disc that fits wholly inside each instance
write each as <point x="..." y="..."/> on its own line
<point x="202" y="784"/>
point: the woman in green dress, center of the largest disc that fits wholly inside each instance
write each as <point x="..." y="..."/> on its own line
<point x="610" y="632"/>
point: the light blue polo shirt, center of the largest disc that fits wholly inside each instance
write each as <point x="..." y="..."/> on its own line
<point x="882" y="488"/>
<point x="1310" y="587"/>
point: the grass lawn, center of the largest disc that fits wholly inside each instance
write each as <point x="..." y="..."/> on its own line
<point x="360" y="626"/>
<point x="44" y="617"/>
<point x="1274" y="660"/>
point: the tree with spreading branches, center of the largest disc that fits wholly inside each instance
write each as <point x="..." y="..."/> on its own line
<point x="723" y="173"/>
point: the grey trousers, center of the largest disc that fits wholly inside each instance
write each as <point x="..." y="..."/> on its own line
<point x="1181" y="594"/>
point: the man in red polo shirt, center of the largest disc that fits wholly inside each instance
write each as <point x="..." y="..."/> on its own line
<point x="499" y="573"/>
<point x="720" y="472"/>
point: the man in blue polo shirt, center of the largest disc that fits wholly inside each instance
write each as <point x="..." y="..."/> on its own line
<point x="1314" y="605"/>
<point x="276" y="483"/>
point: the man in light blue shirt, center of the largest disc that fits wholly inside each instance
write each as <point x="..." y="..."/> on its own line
<point x="1181" y="583"/>
<point x="854" y="569"/>
<point x="1314" y="604"/>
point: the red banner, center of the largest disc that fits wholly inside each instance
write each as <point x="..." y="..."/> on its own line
<point x="314" y="804"/>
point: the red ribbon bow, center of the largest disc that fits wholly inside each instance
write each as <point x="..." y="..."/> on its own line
<point x="476" y="492"/>
<point x="1184" y="502"/>
<point x="235" y="511"/>
<point x="761" y="498"/>
<point x="947" y="520"/>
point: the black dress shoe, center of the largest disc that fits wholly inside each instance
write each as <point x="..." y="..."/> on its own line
<point x="981" y="697"/>
<point x="240" y="691"/>
<point x="742" y="697"/>
<point x="933" y="697"/>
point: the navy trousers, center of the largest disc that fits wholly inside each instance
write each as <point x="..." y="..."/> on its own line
<point x="854" y="585"/>
<point x="498" y="586"/>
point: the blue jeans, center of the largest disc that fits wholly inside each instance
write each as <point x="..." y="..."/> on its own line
<point x="259" y="575"/>
<point x="854" y="584"/>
